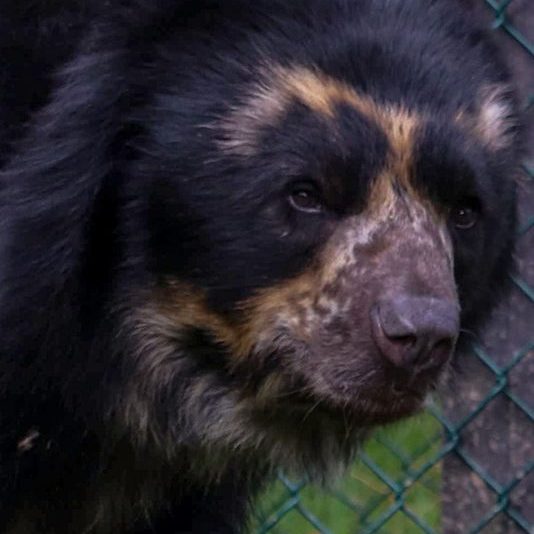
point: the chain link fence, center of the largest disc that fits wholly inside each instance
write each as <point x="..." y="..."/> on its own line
<point x="467" y="465"/>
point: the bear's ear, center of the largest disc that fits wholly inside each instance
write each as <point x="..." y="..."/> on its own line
<point x="49" y="187"/>
<point x="496" y="121"/>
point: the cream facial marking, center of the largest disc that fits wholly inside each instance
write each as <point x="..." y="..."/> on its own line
<point x="493" y="121"/>
<point x="268" y="99"/>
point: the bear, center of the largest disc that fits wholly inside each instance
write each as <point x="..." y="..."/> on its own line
<point x="235" y="237"/>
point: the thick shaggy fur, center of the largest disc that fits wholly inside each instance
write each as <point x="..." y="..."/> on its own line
<point x="177" y="317"/>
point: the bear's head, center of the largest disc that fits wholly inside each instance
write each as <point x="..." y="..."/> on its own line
<point x="320" y="232"/>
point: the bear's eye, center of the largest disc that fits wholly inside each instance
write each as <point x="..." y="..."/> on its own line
<point x="306" y="197"/>
<point x="465" y="215"/>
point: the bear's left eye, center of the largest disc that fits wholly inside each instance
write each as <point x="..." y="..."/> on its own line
<point x="306" y="197"/>
<point x="465" y="216"/>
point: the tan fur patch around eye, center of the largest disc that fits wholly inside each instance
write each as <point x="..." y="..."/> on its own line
<point x="269" y="99"/>
<point x="398" y="124"/>
<point x="322" y="93"/>
<point x="401" y="128"/>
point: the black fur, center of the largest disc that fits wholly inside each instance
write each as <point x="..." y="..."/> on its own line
<point x="112" y="182"/>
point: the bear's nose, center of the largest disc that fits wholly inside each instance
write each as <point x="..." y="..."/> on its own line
<point x="415" y="333"/>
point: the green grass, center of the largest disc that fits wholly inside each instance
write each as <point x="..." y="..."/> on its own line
<point x="393" y="488"/>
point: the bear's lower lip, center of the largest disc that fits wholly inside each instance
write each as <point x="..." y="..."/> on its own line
<point x="363" y="411"/>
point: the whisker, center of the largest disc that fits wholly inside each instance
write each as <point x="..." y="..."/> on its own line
<point x="309" y="412"/>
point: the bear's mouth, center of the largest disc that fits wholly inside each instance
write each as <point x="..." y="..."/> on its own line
<point x="362" y="411"/>
<point x="300" y="392"/>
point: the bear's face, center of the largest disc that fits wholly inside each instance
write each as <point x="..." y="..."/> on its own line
<point x="317" y="249"/>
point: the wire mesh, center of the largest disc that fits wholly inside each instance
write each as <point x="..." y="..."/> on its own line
<point x="401" y="481"/>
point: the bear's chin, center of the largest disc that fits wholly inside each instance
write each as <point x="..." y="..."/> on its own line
<point x="304" y="438"/>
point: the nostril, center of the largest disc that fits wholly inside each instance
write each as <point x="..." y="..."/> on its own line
<point x="393" y="346"/>
<point x="406" y="341"/>
<point x="415" y="333"/>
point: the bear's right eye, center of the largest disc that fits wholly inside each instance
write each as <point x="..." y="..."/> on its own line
<point x="466" y="214"/>
<point x="306" y="197"/>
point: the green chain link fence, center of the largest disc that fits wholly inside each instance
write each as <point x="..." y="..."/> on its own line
<point x="466" y="466"/>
